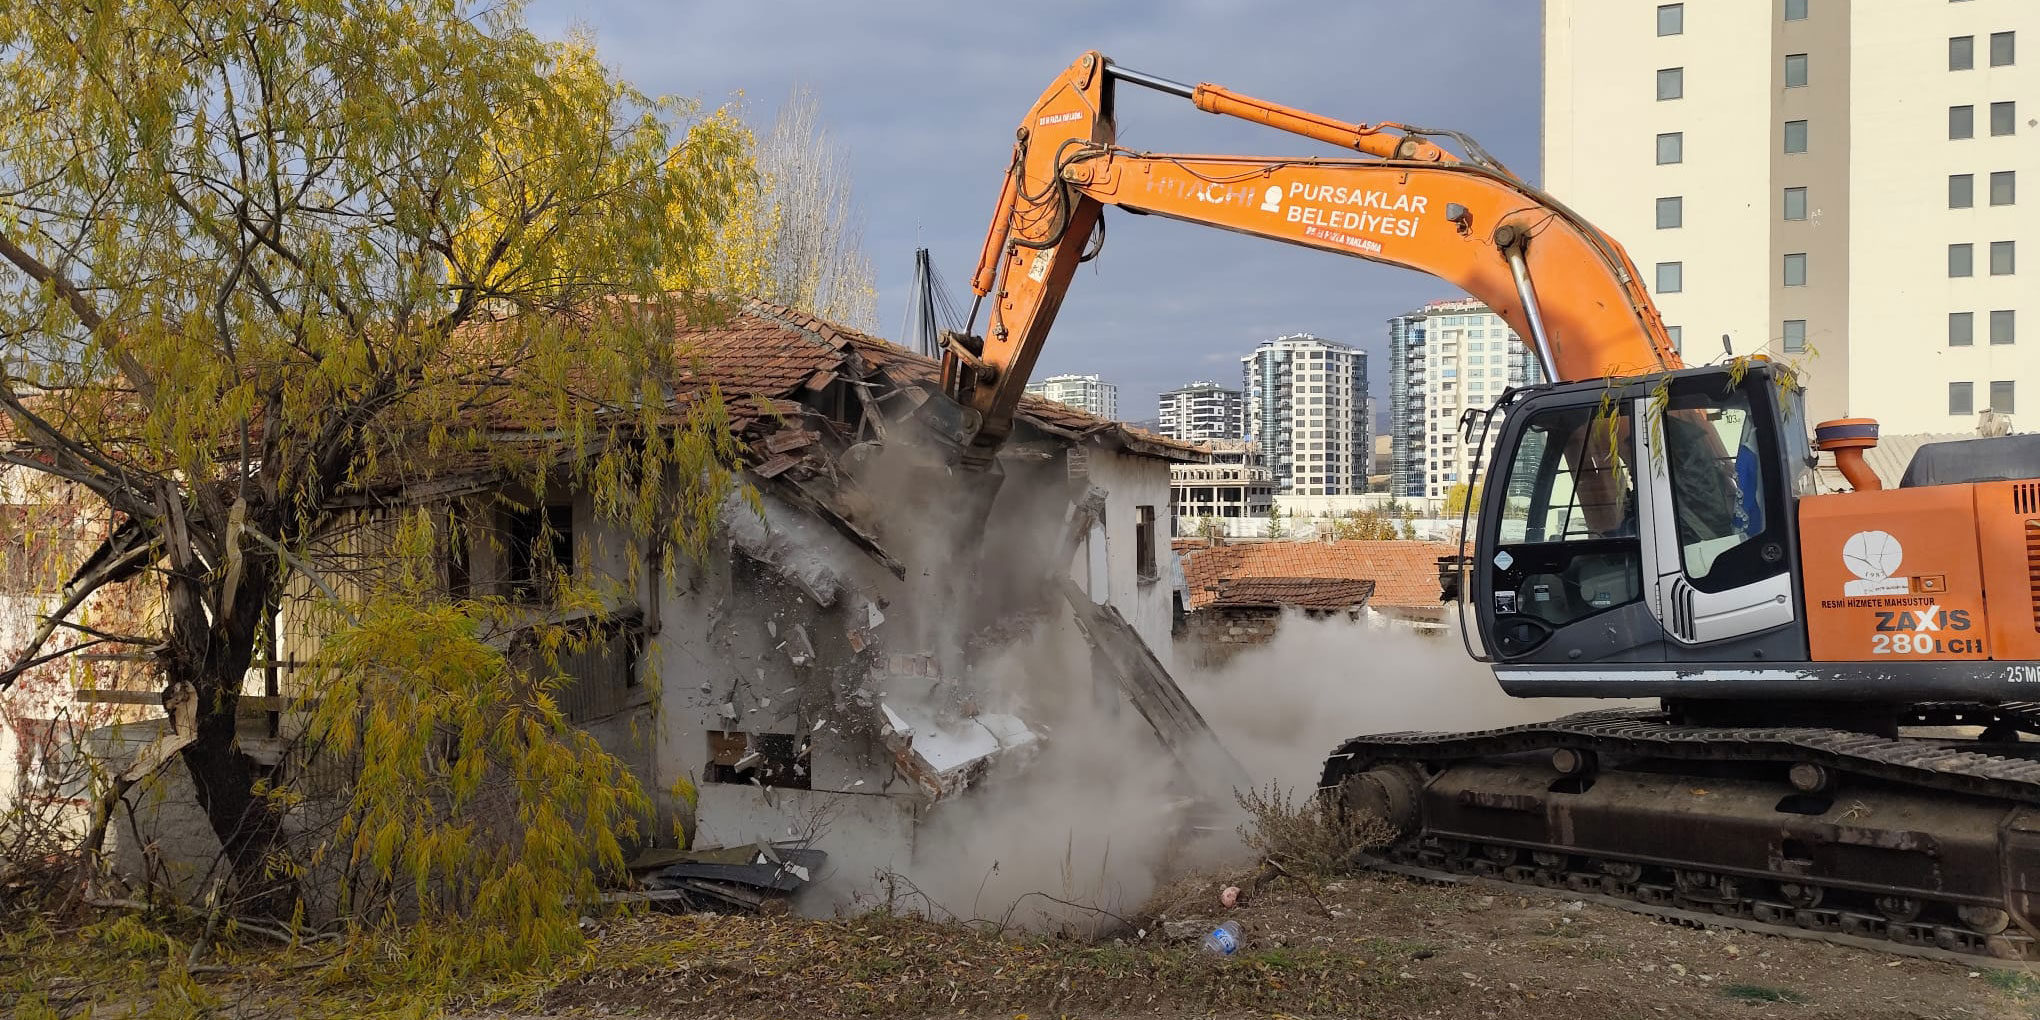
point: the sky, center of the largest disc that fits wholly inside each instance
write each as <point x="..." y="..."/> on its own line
<point x="924" y="95"/>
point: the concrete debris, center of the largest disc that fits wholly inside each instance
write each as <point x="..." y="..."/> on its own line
<point x="939" y="741"/>
<point x="775" y="538"/>
<point x="798" y="647"/>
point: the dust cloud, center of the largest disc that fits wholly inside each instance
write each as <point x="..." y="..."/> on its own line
<point x="1102" y="814"/>
<point x="1087" y="825"/>
<point x="1282" y="706"/>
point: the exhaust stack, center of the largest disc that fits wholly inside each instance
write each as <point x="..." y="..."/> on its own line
<point x="1847" y="438"/>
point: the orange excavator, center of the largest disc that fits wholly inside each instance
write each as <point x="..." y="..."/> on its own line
<point x="1841" y="745"/>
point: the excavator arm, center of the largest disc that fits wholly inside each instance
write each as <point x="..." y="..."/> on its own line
<point x="1402" y="201"/>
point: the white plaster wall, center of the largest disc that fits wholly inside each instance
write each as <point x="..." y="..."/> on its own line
<point x="714" y="648"/>
<point x="1901" y="293"/>
<point x="1131" y="482"/>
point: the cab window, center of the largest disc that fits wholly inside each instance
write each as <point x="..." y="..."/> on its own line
<point x="1714" y="451"/>
<point x="1567" y="544"/>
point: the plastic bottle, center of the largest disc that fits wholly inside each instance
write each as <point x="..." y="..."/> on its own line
<point x="1224" y="940"/>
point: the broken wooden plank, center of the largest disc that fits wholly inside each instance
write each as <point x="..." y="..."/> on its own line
<point x="791" y="439"/>
<point x="154" y="699"/>
<point x="776" y="466"/>
<point x="799" y="495"/>
<point x="1154" y="693"/>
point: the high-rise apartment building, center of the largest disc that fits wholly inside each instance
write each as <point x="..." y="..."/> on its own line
<point x="1086" y="393"/>
<point x="1444" y="359"/>
<point x="1407" y="358"/>
<point x="1828" y="182"/>
<point x="1307" y="412"/>
<point x="1203" y="412"/>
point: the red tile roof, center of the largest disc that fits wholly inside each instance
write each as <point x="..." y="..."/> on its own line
<point x="1405" y="574"/>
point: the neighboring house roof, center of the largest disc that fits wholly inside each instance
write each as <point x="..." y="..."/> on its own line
<point x="1405" y="574"/>
<point x="1295" y="592"/>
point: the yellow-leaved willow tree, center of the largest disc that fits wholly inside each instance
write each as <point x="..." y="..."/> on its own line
<point x="261" y="259"/>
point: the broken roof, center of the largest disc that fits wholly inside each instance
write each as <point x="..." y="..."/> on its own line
<point x="905" y="367"/>
<point x="764" y="354"/>
<point x="1405" y="574"/>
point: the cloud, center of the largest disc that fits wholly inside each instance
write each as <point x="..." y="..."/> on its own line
<point x="924" y="94"/>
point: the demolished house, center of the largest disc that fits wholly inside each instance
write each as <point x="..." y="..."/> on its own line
<point x="823" y="674"/>
<point x="812" y="682"/>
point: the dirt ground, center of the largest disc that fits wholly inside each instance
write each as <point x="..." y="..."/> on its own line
<point x="1371" y="946"/>
<point x="1366" y="946"/>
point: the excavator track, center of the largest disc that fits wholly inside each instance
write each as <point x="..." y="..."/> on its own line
<point x="1923" y="845"/>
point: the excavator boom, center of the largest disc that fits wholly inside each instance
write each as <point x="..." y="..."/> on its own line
<point x="1403" y="201"/>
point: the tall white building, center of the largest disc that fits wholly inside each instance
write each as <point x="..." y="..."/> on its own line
<point x="1307" y="412"/>
<point x="1445" y="359"/>
<point x="1086" y="393"/>
<point x="1829" y="182"/>
<point x="1203" y="412"/>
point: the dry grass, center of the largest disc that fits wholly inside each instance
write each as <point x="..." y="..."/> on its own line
<point x="1312" y="835"/>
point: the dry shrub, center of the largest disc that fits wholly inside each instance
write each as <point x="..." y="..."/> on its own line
<point x="1312" y="834"/>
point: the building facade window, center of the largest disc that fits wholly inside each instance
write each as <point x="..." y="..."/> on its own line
<point x="2001" y="49"/>
<point x="1961" y="122"/>
<point x="1671" y="19"/>
<point x="1795" y="70"/>
<point x="1671" y="83"/>
<point x="1961" y="329"/>
<point x="2004" y="187"/>
<point x="2002" y="396"/>
<point x="1144" y="544"/>
<point x="1795" y="136"/>
<point x="1961" y="258"/>
<point x="1677" y="338"/>
<point x="1961" y="52"/>
<point x="1795" y="335"/>
<point x="1671" y="148"/>
<point x="2004" y="323"/>
<point x="1961" y="191"/>
<point x="1671" y="277"/>
<point x="1961" y="398"/>
<point x="1795" y="269"/>
<point x="538" y="549"/>
<point x="2004" y="118"/>
<point x="2003" y="258"/>
<point x="1795" y="203"/>
<point x="1671" y="213"/>
<point x="1795" y="10"/>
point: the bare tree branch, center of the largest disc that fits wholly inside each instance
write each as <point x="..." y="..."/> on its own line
<point x="80" y="305"/>
<point x="75" y="593"/>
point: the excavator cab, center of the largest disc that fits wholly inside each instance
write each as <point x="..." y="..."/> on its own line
<point x="1649" y="521"/>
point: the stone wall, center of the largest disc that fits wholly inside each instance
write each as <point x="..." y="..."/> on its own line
<point x="1213" y="636"/>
